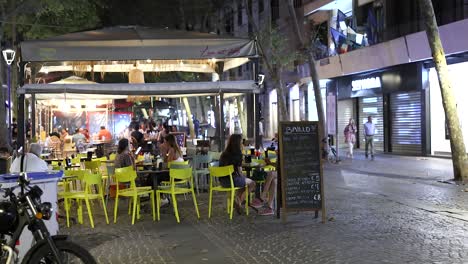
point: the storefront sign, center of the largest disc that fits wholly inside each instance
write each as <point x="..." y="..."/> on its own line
<point x="365" y="84"/>
<point x="331" y="114"/>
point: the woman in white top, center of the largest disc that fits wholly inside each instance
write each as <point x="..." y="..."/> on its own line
<point x="173" y="152"/>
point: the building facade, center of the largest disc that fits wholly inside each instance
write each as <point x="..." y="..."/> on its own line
<point x="372" y="57"/>
<point x="378" y="63"/>
<point x="266" y="14"/>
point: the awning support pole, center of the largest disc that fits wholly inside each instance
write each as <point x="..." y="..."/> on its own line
<point x="21" y="118"/>
<point x="222" y="137"/>
<point x="256" y="109"/>
<point x="33" y="116"/>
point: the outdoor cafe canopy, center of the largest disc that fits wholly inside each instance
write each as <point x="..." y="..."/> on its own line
<point x="121" y="90"/>
<point x="124" y="48"/>
<point x="116" y="49"/>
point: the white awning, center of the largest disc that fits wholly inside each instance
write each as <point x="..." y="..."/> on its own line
<point x="136" y="43"/>
<point x="113" y="90"/>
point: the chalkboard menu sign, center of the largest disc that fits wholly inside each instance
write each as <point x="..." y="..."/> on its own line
<point x="301" y="168"/>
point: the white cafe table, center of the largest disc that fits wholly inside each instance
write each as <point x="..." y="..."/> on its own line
<point x="47" y="181"/>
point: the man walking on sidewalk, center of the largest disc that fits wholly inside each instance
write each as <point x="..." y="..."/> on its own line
<point x="260" y="134"/>
<point x="369" y="131"/>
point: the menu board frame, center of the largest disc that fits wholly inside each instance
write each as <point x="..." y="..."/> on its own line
<point x="284" y="174"/>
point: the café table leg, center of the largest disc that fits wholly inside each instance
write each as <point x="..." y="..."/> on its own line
<point x="155" y="181"/>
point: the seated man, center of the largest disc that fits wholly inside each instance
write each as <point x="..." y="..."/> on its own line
<point x="31" y="162"/>
<point x="79" y="139"/>
<point x="104" y="134"/>
<point x="78" y="136"/>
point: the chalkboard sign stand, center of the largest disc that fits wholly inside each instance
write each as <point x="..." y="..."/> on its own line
<point x="295" y="141"/>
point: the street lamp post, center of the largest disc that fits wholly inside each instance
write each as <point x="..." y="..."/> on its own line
<point x="9" y="56"/>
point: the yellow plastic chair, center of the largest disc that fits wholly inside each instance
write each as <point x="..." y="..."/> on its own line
<point x="75" y="179"/>
<point x="272" y="155"/>
<point x="94" y="166"/>
<point x="176" y="165"/>
<point x="174" y="189"/>
<point x="218" y="172"/>
<point x="140" y="158"/>
<point x="72" y="178"/>
<point x="56" y="165"/>
<point x="90" y="179"/>
<point x="200" y="168"/>
<point x="76" y="160"/>
<point x="128" y="175"/>
<point x="102" y="169"/>
<point x="265" y="167"/>
<point x="214" y="155"/>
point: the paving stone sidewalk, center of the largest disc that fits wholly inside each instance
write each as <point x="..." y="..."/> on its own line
<point x="366" y="224"/>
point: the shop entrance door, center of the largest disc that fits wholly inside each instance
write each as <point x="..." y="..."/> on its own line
<point x="406" y="123"/>
<point x="345" y="112"/>
<point x="371" y="106"/>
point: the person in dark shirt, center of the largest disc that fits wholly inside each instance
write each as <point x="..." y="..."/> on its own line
<point x="232" y="155"/>
<point x="123" y="157"/>
<point x="138" y="136"/>
<point x="14" y="129"/>
<point x="55" y="133"/>
<point x="196" y="126"/>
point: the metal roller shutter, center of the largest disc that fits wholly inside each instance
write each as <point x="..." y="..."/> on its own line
<point x="371" y="106"/>
<point x="345" y="112"/>
<point x="406" y="123"/>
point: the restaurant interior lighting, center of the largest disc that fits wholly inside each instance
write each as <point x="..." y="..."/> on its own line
<point x="64" y="107"/>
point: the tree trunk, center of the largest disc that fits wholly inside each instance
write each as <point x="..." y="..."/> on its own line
<point x="202" y="109"/>
<point x="305" y="48"/>
<point x="199" y="110"/>
<point x="275" y="74"/>
<point x="240" y="114"/>
<point x="214" y="103"/>
<point x="183" y="21"/>
<point x="189" y="117"/>
<point x="283" y="113"/>
<point x="318" y="97"/>
<point x="459" y="157"/>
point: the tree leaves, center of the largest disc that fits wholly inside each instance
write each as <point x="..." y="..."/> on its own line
<point x="52" y="17"/>
<point x="280" y="52"/>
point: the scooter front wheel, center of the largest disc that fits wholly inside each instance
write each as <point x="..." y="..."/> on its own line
<point x="69" y="253"/>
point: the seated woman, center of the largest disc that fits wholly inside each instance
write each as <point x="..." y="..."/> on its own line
<point x="170" y="150"/>
<point x="124" y="158"/>
<point x="232" y="155"/>
<point x="265" y="203"/>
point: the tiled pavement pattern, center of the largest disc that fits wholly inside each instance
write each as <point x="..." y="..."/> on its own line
<point x="371" y="220"/>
